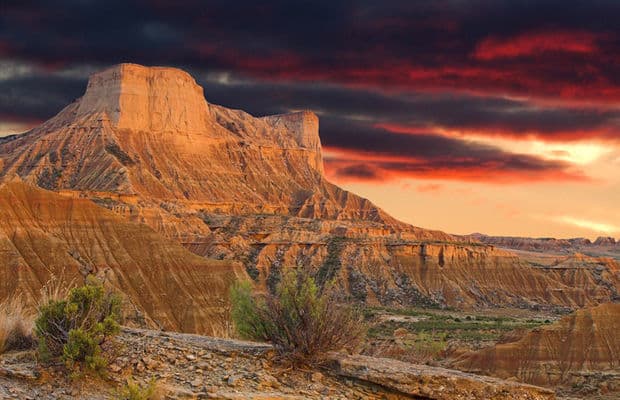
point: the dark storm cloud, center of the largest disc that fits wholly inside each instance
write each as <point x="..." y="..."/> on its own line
<point x="373" y="154"/>
<point x="415" y="67"/>
<point x="387" y="44"/>
<point x="484" y="115"/>
<point x="36" y="98"/>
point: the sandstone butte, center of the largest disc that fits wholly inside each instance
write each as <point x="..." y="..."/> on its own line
<point x="144" y="143"/>
<point x="581" y="347"/>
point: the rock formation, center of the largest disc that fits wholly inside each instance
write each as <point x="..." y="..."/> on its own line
<point x="198" y="367"/>
<point x="600" y="246"/>
<point x="583" y="342"/>
<point x="144" y="143"/>
<point x="44" y="235"/>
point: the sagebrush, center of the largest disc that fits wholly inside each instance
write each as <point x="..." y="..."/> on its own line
<point x="73" y="329"/>
<point x="302" y="322"/>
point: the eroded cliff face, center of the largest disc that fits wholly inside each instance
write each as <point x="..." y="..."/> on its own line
<point x="379" y="267"/>
<point x="584" y="342"/>
<point x="144" y="143"/>
<point x="149" y="133"/>
<point x="50" y="239"/>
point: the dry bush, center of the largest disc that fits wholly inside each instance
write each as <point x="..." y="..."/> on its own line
<point x="16" y="324"/>
<point x="55" y="289"/>
<point x="302" y="322"/>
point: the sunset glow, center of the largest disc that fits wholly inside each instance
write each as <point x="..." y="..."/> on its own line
<point x="505" y="124"/>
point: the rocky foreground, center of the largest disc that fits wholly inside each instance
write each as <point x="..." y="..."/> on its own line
<point x="198" y="367"/>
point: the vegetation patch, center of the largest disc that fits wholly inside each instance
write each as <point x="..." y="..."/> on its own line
<point x="49" y="178"/>
<point x="74" y="328"/>
<point x="133" y="390"/>
<point x="332" y="263"/>
<point x="120" y="155"/>
<point x="422" y="335"/>
<point x="302" y="322"/>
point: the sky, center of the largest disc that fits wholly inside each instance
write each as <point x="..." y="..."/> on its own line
<point x="495" y="116"/>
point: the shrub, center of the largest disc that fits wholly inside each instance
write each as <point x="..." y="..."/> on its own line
<point x="74" y="328"/>
<point x="15" y="326"/>
<point x="302" y="322"/>
<point x="134" y="391"/>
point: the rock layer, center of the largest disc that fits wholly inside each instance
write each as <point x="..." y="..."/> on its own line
<point x="427" y="382"/>
<point x="601" y="246"/>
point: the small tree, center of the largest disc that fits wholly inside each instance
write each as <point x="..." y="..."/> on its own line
<point x="301" y="322"/>
<point x="73" y="329"/>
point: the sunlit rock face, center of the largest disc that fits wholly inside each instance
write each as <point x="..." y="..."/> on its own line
<point x="145" y="143"/>
<point x="146" y="99"/>
<point x="49" y="240"/>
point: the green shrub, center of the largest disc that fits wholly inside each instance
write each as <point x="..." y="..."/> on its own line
<point x="74" y="328"/>
<point x="301" y="322"/>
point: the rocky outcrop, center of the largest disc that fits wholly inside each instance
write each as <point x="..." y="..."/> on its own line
<point x="382" y="268"/>
<point x="50" y="239"/>
<point x="584" y="342"/>
<point x="427" y="382"/>
<point x="551" y="245"/>
<point x="199" y="367"/>
<point x="148" y="133"/>
<point x="605" y="241"/>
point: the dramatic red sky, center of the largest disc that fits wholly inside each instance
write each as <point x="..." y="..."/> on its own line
<point x="493" y="116"/>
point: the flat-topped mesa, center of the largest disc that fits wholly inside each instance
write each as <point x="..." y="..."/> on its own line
<point x="146" y="99"/>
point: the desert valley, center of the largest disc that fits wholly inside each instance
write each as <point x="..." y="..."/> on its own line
<point x="170" y="200"/>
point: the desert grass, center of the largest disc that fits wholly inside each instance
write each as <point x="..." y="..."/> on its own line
<point x="16" y="325"/>
<point x="55" y="289"/>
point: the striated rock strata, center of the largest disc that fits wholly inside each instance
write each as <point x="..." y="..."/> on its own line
<point x="48" y="237"/>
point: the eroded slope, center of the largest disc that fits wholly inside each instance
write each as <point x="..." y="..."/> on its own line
<point x="44" y="235"/>
<point x="583" y="342"/>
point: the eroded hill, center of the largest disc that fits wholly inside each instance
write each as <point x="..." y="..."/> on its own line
<point x="579" y="349"/>
<point x="50" y="239"/>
